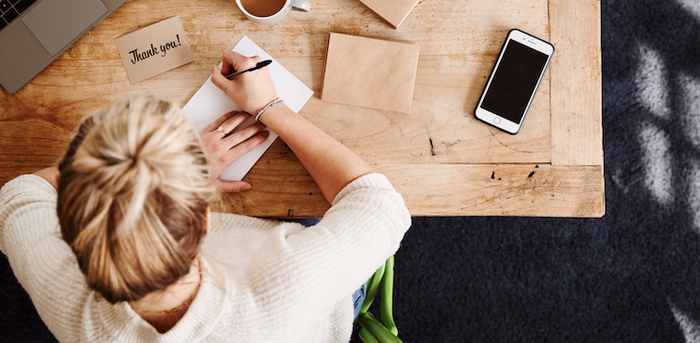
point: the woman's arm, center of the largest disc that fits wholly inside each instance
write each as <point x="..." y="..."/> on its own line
<point x="49" y="174"/>
<point x="42" y="262"/>
<point x="330" y="163"/>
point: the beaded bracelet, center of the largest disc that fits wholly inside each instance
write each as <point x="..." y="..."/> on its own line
<point x="270" y="105"/>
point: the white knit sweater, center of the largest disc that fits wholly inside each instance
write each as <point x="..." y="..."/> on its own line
<point x="264" y="280"/>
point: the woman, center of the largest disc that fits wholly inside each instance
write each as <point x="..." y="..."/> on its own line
<point x="134" y="254"/>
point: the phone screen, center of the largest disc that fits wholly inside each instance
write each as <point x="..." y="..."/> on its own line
<point x="514" y="82"/>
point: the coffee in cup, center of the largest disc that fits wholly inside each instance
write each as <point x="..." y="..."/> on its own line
<point x="270" y="11"/>
<point x="264" y="8"/>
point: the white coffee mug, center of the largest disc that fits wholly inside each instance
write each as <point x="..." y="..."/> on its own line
<point x="297" y="5"/>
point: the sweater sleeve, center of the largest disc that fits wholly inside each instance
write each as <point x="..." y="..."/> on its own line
<point x="42" y="262"/>
<point x="315" y="268"/>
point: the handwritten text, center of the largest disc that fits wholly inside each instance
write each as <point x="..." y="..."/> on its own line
<point x="153" y="51"/>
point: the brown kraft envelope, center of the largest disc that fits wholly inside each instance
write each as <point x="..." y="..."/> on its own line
<point x="370" y="73"/>
<point x="393" y="11"/>
<point x="154" y="49"/>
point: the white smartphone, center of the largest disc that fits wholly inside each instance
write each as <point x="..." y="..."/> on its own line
<point x="514" y="81"/>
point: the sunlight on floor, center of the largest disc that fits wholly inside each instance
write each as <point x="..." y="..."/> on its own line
<point x="651" y="82"/>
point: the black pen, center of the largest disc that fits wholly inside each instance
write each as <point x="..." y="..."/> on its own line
<point x="257" y="66"/>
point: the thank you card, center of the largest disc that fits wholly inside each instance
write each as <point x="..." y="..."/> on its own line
<point x="154" y="49"/>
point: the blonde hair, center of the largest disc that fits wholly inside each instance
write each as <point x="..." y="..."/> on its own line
<point x="132" y="197"/>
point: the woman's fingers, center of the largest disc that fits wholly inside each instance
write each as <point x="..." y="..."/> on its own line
<point x="215" y="125"/>
<point x="245" y="146"/>
<point x="241" y="135"/>
<point x="232" y="186"/>
<point x="222" y="152"/>
<point x="230" y="124"/>
<point x="233" y="62"/>
<point x="251" y="91"/>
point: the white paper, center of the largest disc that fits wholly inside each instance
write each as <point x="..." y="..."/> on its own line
<point x="210" y="103"/>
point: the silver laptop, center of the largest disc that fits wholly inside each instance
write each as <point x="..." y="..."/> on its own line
<point x="33" y="33"/>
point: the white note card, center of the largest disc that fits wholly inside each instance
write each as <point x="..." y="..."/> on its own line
<point x="210" y="103"/>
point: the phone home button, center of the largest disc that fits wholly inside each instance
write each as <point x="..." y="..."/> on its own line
<point x="496" y="120"/>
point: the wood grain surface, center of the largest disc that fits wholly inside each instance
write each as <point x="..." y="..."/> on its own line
<point x="438" y="156"/>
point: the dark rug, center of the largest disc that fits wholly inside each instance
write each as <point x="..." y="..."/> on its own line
<point x="632" y="276"/>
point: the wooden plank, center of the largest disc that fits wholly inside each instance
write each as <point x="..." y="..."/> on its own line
<point x="499" y="190"/>
<point x="432" y="189"/>
<point x="577" y="127"/>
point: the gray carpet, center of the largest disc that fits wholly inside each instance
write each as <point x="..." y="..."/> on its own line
<point x="632" y="276"/>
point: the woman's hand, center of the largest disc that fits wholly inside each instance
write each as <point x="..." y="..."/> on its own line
<point x="331" y="164"/>
<point x="250" y="91"/>
<point x="221" y="147"/>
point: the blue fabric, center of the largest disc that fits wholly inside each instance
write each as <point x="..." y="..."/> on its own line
<point x="307" y="222"/>
<point x="358" y="298"/>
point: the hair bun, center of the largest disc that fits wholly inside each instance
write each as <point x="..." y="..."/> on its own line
<point x="133" y="193"/>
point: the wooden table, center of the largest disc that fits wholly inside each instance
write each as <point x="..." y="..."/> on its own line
<point x="443" y="160"/>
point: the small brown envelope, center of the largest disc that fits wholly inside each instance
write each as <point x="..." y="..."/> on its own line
<point x="370" y="73"/>
<point x="393" y="11"/>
